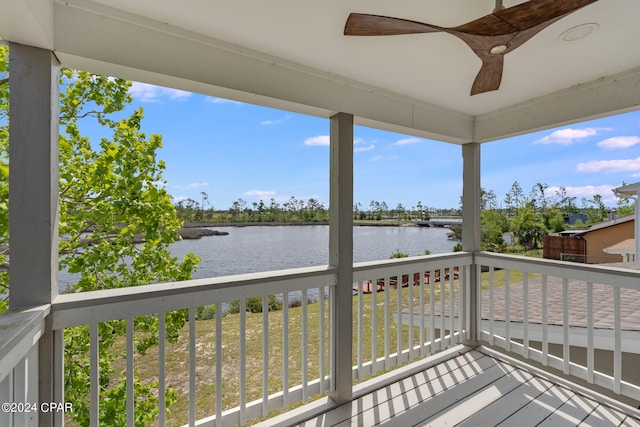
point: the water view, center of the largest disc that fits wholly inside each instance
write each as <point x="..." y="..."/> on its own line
<point x="263" y="248"/>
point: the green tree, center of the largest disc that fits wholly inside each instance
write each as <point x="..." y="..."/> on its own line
<point x="111" y="195"/>
<point x="528" y="227"/>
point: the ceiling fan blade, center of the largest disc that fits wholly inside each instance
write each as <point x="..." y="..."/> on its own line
<point x="489" y="76"/>
<point x="359" y="24"/>
<point x="535" y="12"/>
<point x="488" y="25"/>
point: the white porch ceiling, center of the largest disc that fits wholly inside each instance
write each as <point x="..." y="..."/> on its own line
<point x="292" y="54"/>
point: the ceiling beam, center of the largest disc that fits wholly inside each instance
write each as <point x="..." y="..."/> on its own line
<point x="603" y="97"/>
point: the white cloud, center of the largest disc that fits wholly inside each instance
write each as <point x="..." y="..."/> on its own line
<point x="261" y="194"/>
<point x="192" y="185"/>
<point x="276" y="121"/>
<point x="366" y="148"/>
<point x="215" y="100"/>
<point x="381" y="158"/>
<point x="584" y="191"/>
<point x="320" y="140"/>
<point x="619" y="142"/>
<point x="610" y="166"/>
<point x="567" y="136"/>
<point x="149" y="93"/>
<point x="406" y="141"/>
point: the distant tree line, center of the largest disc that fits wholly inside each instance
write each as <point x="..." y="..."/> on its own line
<point x="299" y="210"/>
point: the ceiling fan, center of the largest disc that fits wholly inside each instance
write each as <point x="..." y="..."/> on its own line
<point x="490" y="37"/>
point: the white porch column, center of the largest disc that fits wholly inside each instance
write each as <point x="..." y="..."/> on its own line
<point x="33" y="201"/>
<point x="341" y="251"/>
<point x="33" y="176"/>
<point x="471" y="236"/>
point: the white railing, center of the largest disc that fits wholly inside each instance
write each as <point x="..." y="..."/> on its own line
<point x="233" y="370"/>
<point x="20" y="331"/>
<point x="576" y="318"/>
<point x="403" y="309"/>
<point x="400" y="289"/>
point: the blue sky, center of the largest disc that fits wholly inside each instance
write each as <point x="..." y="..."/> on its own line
<point x="232" y="150"/>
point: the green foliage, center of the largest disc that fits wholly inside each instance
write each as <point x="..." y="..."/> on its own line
<point x="110" y="196"/>
<point x="528" y="227"/>
<point x="493" y="224"/>
<point x="398" y="254"/>
<point x="555" y="221"/>
<point x="254" y="305"/>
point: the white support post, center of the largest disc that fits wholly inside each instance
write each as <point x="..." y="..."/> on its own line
<point x="341" y="251"/>
<point x="471" y="238"/>
<point x="33" y="200"/>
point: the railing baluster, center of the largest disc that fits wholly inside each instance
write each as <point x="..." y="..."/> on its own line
<point x="525" y="313"/>
<point x="565" y="325"/>
<point x="545" y="322"/>
<point x="162" y="411"/>
<point x="94" y="377"/>
<point x="464" y="308"/>
<point x="243" y="361"/>
<point x="432" y="311"/>
<point x="332" y="339"/>
<point x="387" y="308"/>
<point x="322" y="361"/>
<point x="452" y="279"/>
<point x="192" y="367"/>
<point x="360" y="326"/>
<point x="305" y="347"/>
<point x="374" y="327"/>
<point x="399" y="316"/>
<point x="491" y="304"/>
<point x="411" y="313"/>
<point x="130" y="373"/>
<point x="285" y="345"/>
<point x="422" y="315"/>
<point x="219" y="379"/>
<point x="443" y="283"/>
<point x="265" y="356"/>
<point x="617" y="352"/>
<point x="507" y="309"/>
<point x="590" y="343"/>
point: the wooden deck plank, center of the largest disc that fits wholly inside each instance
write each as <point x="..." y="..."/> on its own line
<point x="454" y="387"/>
<point x="603" y="416"/>
<point x="537" y="410"/>
<point x="388" y="400"/>
<point x="572" y="413"/>
<point x="631" y="422"/>
<point x="462" y="409"/>
<point x="437" y="380"/>
<point x="475" y="389"/>
<point x="501" y="409"/>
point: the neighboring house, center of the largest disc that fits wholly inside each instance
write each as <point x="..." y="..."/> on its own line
<point x="626" y="249"/>
<point x="605" y="235"/>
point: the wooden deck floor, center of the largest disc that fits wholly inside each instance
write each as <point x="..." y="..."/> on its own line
<point x="475" y="389"/>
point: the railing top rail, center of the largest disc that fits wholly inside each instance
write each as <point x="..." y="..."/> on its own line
<point x="97" y="306"/>
<point x="19" y="330"/>
<point x="594" y="273"/>
<point x="402" y="264"/>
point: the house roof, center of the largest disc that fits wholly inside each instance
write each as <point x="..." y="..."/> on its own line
<point x="610" y="223"/>
<point x="293" y="55"/>
<point x="626" y="246"/>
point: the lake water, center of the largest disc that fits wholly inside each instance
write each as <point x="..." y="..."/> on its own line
<point x="253" y="249"/>
<point x="265" y="248"/>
